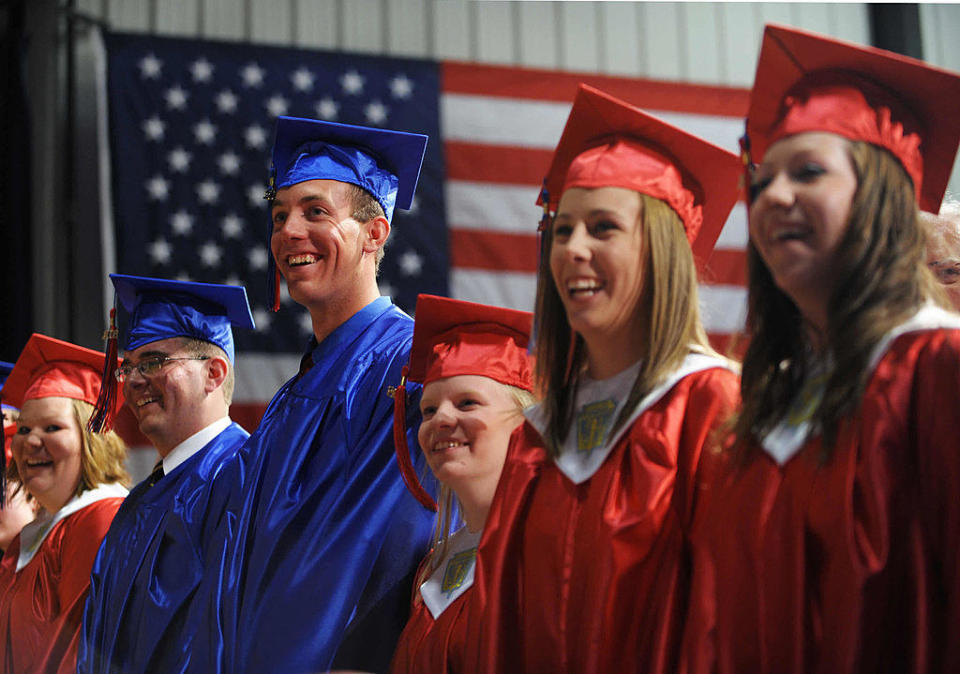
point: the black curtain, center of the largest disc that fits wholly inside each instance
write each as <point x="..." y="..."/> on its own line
<point x="16" y="318"/>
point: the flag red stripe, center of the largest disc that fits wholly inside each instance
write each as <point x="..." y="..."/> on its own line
<point x="727" y="266"/>
<point x="480" y="249"/>
<point x="496" y="163"/>
<point x="549" y="85"/>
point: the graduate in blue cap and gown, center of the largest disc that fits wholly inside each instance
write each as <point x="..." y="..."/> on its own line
<point x="321" y="539"/>
<point x="177" y="378"/>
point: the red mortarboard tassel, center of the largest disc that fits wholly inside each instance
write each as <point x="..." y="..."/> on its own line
<point x="402" y="449"/>
<point x="103" y="414"/>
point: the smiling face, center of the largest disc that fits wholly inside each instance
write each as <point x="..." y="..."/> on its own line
<point x="169" y="405"/>
<point x="467" y="422"/>
<point x="803" y="190"/>
<point x="47" y="449"/>
<point x="325" y="255"/>
<point x="596" y="264"/>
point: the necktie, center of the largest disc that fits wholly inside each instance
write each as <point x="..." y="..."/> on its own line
<point x="156" y="474"/>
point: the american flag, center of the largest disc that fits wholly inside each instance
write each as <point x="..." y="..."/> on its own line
<point x="190" y="131"/>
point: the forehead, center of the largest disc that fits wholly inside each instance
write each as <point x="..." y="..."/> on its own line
<point x="811" y="142"/>
<point x="333" y="191"/>
<point x="44" y="407"/>
<point x="579" y="200"/>
<point x="160" y="347"/>
<point x="463" y="383"/>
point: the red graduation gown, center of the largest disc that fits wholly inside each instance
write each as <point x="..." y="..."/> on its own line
<point x="852" y="565"/>
<point x="592" y="577"/>
<point x="41" y="606"/>
<point x="432" y="645"/>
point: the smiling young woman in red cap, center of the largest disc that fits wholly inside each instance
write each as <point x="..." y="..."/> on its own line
<point x="581" y="567"/>
<point x="833" y="542"/>
<point x="477" y="377"/>
<point x="77" y="478"/>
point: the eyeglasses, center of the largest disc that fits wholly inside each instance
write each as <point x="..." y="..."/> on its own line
<point x="149" y="366"/>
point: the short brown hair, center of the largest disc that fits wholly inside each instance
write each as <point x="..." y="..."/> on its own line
<point x="102" y="455"/>
<point x="365" y="209"/>
<point x="209" y="350"/>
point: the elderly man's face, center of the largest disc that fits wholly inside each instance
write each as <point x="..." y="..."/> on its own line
<point x="943" y="252"/>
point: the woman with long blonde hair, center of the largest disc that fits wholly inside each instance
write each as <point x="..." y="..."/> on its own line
<point x="78" y="480"/>
<point x="582" y="565"/>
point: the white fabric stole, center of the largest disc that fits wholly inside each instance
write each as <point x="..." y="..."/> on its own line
<point x="598" y="404"/>
<point x="454" y="575"/>
<point x="790" y="435"/>
<point x="34" y="533"/>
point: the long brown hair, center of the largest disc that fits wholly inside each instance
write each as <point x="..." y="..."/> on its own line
<point x="882" y="280"/>
<point x="668" y="304"/>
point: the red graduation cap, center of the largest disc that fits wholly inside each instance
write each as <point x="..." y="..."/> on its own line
<point x="610" y="143"/>
<point x="451" y="338"/>
<point x="808" y="82"/>
<point x="51" y="367"/>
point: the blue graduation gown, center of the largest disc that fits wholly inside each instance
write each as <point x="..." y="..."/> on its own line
<point x="317" y="546"/>
<point x="149" y="567"/>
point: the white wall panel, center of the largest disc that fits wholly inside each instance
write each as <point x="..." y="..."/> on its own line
<point x="95" y="8"/>
<point x="537" y="34"/>
<point x="662" y="48"/>
<point x="131" y="15"/>
<point x="178" y="18"/>
<point x="813" y="17"/>
<point x="270" y="21"/>
<point x="317" y="24"/>
<point x="620" y="39"/>
<point x="699" y="30"/>
<point x="773" y="12"/>
<point x="451" y="30"/>
<point x="408" y="26"/>
<point x="740" y="32"/>
<point x="224" y="19"/>
<point x="495" y="35"/>
<point x="852" y="22"/>
<point x="579" y="48"/>
<point x="363" y="26"/>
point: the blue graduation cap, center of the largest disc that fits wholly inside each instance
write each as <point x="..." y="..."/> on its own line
<point x="161" y="309"/>
<point x="5" y="370"/>
<point x="383" y="162"/>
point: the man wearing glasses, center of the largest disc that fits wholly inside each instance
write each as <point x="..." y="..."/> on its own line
<point x="177" y="378"/>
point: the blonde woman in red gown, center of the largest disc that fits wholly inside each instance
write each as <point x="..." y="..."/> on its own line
<point x="477" y="377"/>
<point x="77" y="478"/>
<point x="583" y="563"/>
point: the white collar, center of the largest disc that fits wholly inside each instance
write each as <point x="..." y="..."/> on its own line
<point x="454" y="575"/>
<point x="579" y="466"/>
<point x="788" y="437"/>
<point x="193" y="444"/>
<point x="34" y="533"/>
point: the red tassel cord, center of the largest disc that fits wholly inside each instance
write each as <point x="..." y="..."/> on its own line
<point x="403" y="450"/>
<point x="104" y="412"/>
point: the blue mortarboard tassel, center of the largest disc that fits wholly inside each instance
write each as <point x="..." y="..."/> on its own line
<point x="746" y="179"/>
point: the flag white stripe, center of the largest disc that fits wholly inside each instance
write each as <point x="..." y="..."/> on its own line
<point x="492" y="207"/>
